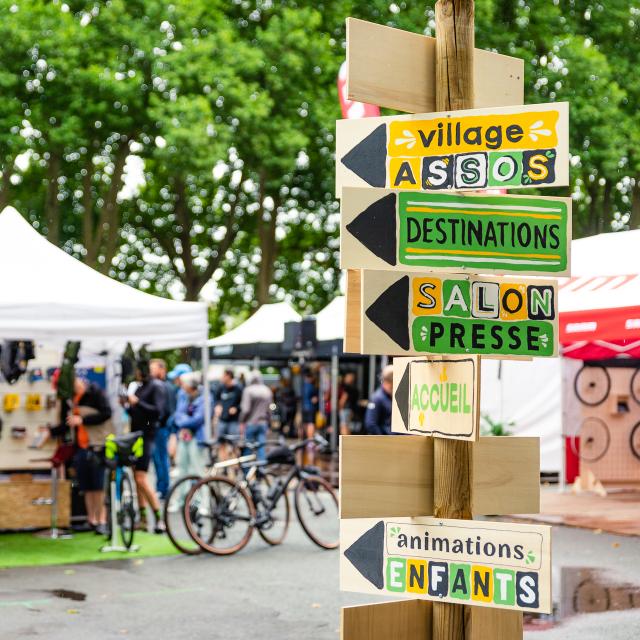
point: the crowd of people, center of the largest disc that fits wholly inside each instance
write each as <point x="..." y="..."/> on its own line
<point x="168" y="408"/>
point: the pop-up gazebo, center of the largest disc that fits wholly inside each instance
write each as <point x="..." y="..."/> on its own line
<point x="50" y="297"/>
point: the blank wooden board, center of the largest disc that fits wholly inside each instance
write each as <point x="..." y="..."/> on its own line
<point x="396" y="69"/>
<point x="392" y="476"/>
<point x="385" y="476"/>
<point x="399" y="620"/>
<point x="353" y="325"/>
<point x="412" y="620"/>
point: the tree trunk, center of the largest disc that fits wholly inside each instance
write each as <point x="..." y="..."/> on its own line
<point x="268" y="253"/>
<point x="5" y="184"/>
<point x="605" y="217"/>
<point x="88" y="222"/>
<point x="52" y="204"/>
<point x="109" y="226"/>
<point x="592" y="223"/>
<point x="634" y="219"/>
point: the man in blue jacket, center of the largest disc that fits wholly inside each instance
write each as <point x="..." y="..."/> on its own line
<point x="189" y="422"/>
<point x="377" y="419"/>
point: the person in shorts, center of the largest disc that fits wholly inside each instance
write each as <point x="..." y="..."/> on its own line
<point x="89" y="417"/>
<point x="146" y="407"/>
<point x="227" y="410"/>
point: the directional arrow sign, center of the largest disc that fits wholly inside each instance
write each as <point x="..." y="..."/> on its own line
<point x="436" y="396"/>
<point x="488" y="564"/>
<point x="409" y="314"/>
<point x="382" y="229"/>
<point x="503" y="147"/>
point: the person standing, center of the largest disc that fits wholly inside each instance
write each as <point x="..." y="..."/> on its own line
<point x="348" y="403"/>
<point x="189" y="421"/>
<point x="158" y="371"/>
<point x="377" y="419"/>
<point x="89" y="419"/>
<point x="255" y="412"/>
<point x="310" y="403"/>
<point x="227" y="410"/>
<point x="146" y="406"/>
<point x="174" y="376"/>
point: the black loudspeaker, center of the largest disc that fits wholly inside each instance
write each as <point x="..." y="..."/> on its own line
<point x="300" y="336"/>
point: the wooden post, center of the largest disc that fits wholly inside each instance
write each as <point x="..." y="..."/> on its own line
<point x="453" y="458"/>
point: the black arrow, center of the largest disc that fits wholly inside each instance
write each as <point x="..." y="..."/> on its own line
<point x="366" y="554"/>
<point x="390" y="312"/>
<point x="368" y="159"/>
<point x="375" y="228"/>
<point x="402" y="398"/>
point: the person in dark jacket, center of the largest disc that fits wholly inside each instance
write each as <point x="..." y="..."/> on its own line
<point x="377" y="419"/>
<point x="88" y="417"/>
<point x="146" y="407"/>
<point x="158" y="371"/>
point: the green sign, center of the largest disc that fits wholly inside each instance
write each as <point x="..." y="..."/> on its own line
<point x="508" y="233"/>
<point x="385" y="229"/>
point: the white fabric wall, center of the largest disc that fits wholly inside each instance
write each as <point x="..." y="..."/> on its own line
<point x="530" y="394"/>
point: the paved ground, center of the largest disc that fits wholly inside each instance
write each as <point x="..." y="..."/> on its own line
<point x="290" y="592"/>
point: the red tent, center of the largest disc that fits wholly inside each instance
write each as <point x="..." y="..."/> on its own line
<point x="600" y="303"/>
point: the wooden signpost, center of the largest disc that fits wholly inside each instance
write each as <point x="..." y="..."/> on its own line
<point x="413" y="243"/>
<point x="384" y="229"/>
<point x="407" y="314"/>
<point x="437" y="396"/>
<point x="461" y="150"/>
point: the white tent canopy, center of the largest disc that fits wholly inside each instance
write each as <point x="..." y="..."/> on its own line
<point x="49" y="296"/>
<point x="330" y="320"/>
<point x="266" y="325"/>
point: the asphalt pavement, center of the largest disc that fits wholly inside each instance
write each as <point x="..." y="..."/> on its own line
<point x="286" y="592"/>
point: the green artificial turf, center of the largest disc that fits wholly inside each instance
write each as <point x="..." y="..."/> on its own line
<point x="27" y="550"/>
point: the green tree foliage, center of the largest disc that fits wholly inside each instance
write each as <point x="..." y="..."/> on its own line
<point x="229" y="107"/>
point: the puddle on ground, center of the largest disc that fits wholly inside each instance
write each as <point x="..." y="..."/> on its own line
<point x="584" y="591"/>
<point x="68" y="595"/>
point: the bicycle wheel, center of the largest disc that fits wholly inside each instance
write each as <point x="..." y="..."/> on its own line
<point x="634" y="440"/>
<point x="127" y="511"/>
<point x="592" y="440"/>
<point x="219" y="515"/>
<point x="174" y="519"/>
<point x="592" y="385"/>
<point x="272" y="524"/>
<point x="317" y="509"/>
<point x="635" y="385"/>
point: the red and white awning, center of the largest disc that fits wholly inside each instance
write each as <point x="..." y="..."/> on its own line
<point x="600" y="314"/>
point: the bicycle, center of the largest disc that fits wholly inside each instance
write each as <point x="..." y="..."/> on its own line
<point x="221" y="515"/>
<point x="121" y="452"/>
<point x="174" y="504"/>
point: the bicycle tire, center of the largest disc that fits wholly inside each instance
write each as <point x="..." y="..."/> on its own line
<point x="223" y="517"/>
<point x="127" y="511"/>
<point x="309" y="485"/>
<point x="267" y="534"/>
<point x="599" y="433"/>
<point x="635" y="395"/>
<point x="601" y="393"/>
<point x="174" y="520"/>
<point x="634" y="440"/>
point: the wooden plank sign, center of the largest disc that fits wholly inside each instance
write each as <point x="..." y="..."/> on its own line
<point x="397" y="69"/>
<point x="504" y="147"/>
<point x="409" y="314"/>
<point x="437" y="396"/>
<point x="382" y="477"/>
<point x="381" y="229"/>
<point x="488" y="564"/>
